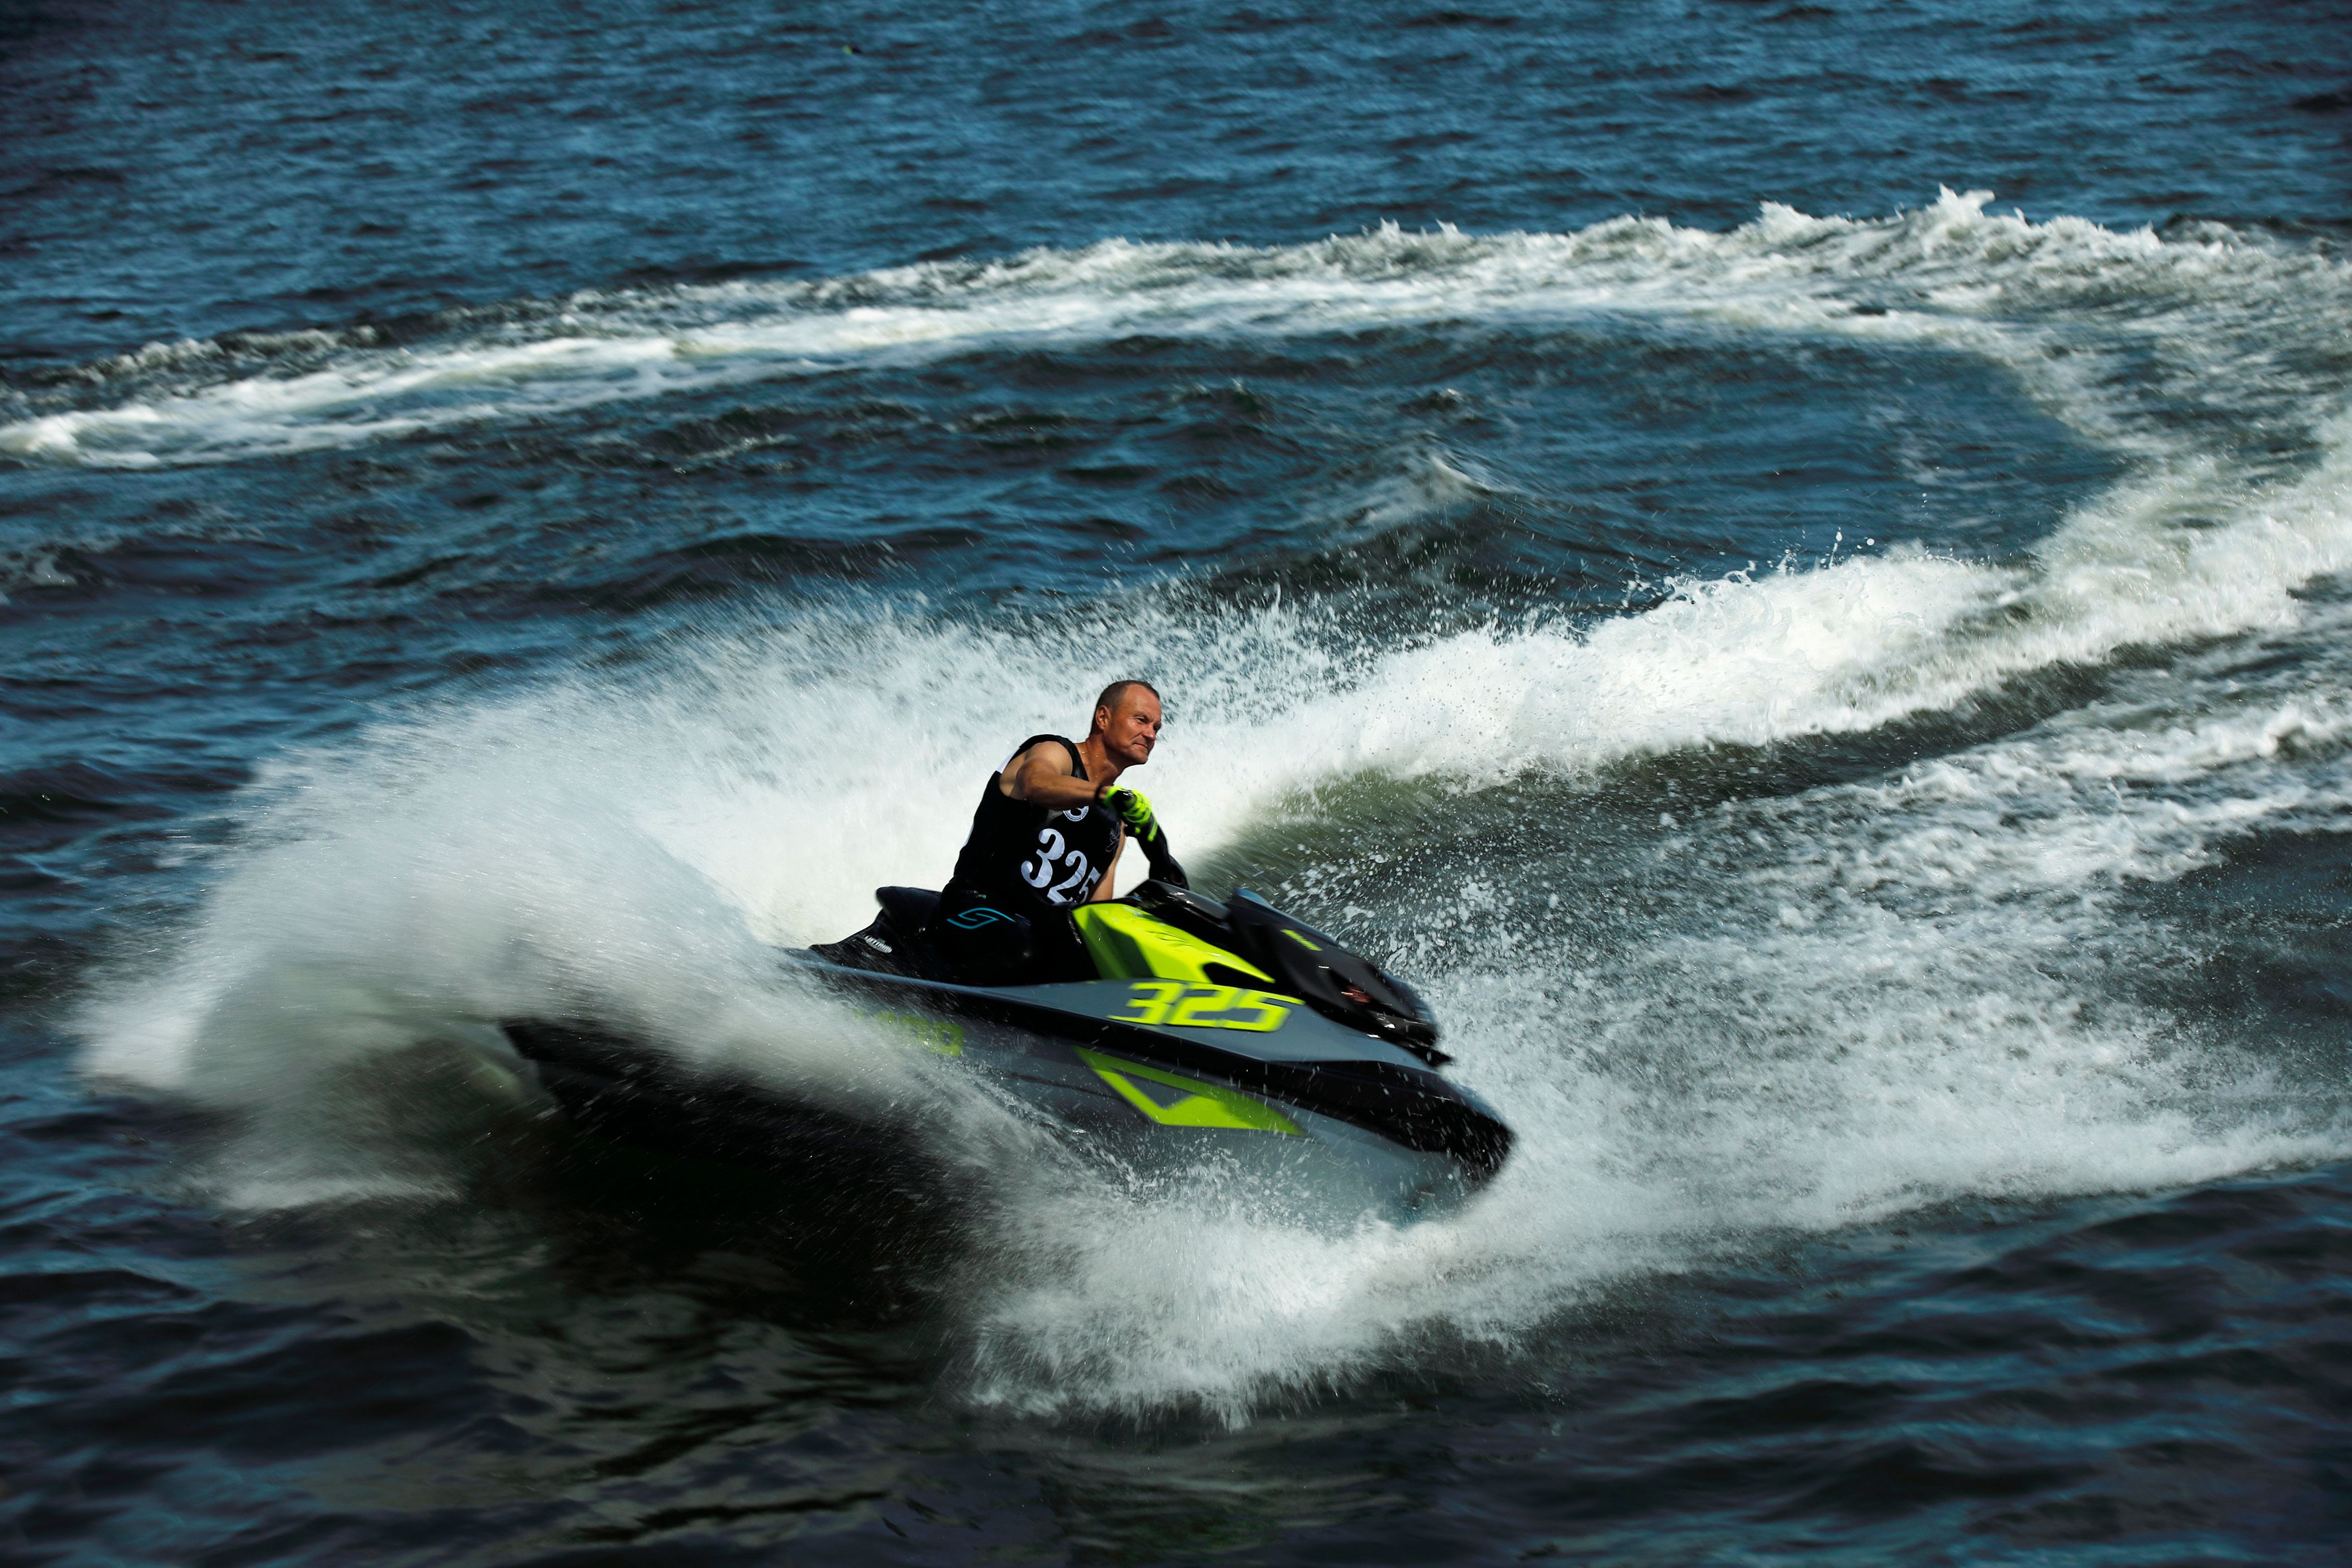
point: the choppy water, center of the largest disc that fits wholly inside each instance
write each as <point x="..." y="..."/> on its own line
<point x="1836" y="684"/>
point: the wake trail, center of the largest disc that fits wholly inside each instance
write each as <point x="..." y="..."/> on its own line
<point x="1948" y="274"/>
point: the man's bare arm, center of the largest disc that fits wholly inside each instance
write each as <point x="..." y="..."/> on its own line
<point x="1043" y="775"/>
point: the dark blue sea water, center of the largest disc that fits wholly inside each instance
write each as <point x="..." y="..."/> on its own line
<point x="1786" y="562"/>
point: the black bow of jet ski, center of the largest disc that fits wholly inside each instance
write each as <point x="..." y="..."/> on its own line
<point x="1228" y="1034"/>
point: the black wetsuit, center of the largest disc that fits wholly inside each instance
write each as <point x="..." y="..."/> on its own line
<point x="1004" y="916"/>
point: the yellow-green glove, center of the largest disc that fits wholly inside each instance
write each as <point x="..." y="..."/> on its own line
<point x="1133" y="807"/>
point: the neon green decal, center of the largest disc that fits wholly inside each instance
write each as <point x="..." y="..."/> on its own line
<point x="1203" y="1006"/>
<point x="1301" y="941"/>
<point x="1200" y="1105"/>
<point x="1125" y="943"/>
<point x="1149" y="1000"/>
<point x="931" y="1033"/>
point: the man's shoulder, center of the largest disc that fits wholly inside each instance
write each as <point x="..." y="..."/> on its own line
<point x="1056" y="750"/>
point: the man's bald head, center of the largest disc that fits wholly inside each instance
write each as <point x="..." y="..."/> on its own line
<point x="1117" y="690"/>
<point x="1126" y="719"/>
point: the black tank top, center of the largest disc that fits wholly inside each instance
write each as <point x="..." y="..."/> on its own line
<point x="1028" y="859"/>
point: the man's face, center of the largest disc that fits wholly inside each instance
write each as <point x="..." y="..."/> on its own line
<point x="1130" y="728"/>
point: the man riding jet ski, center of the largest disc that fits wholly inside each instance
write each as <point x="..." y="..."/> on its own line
<point x="1175" y="1034"/>
<point x="1046" y="838"/>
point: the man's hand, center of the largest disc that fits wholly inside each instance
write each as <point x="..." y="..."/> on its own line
<point x="1133" y="808"/>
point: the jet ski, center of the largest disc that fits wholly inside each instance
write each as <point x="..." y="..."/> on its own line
<point x="1228" y="1034"/>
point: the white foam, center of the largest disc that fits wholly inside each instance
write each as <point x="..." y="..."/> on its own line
<point x="1948" y="274"/>
<point x="341" y="992"/>
<point x="2185" y="553"/>
<point x="1844" y="1005"/>
<point x="1829" y="1010"/>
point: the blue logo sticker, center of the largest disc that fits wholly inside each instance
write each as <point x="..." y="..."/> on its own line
<point x="976" y="917"/>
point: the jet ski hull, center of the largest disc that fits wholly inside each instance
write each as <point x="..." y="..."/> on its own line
<point x="1166" y="1078"/>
